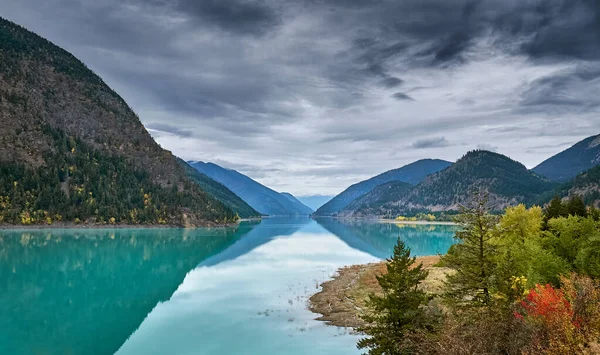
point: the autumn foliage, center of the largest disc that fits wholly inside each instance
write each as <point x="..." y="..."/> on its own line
<point x="563" y="321"/>
<point x="524" y="283"/>
<point x="547" y="304"/>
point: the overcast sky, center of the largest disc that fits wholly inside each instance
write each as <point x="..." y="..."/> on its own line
<point x="310" y="96"/>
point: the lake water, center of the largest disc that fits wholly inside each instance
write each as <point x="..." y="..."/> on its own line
<point x="240" y="290"/>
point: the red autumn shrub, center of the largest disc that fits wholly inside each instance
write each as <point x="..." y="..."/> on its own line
<point x="564" y="321"/>
<point x="548" y="304"/>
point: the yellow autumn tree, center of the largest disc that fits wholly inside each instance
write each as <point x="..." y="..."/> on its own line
<point x="520" y="252"/>
<point x="520" y="223"/>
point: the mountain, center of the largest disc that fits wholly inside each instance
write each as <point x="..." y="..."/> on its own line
<point x="506" y="181"/>
<point x="297" y="205"/>
<point x="374" y="202"/>
<point x="220" y="192"/>
<point x="72" y="150"/>
<point x="412" y="173"/>
<point x="586" y="185"/>
<point x="260" y="197"/>
<point x="568" y="164"/>
<point x="314" y="202"/>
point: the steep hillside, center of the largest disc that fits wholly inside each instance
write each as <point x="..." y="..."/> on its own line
<point x="72" y="150"/>
<point x="568" y="164"/>
<point x="585" y="185"/>
<point x="506" y="181"/>
<point x="260" y="197"/>
<point x="373" y="203"/>
<point x="304" y="210"/>
<point x="412" y="173"/>
<point x="220" y="192"/>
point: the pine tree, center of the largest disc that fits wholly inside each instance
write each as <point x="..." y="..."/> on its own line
<point x="555" y="209"/>
<point x="473" y="256"/>
<point x="576" y="207"/>
<point x="400" y="310"/>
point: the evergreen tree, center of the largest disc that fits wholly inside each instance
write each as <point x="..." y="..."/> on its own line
<point x="400" y="310"/>
<point x="473" y="257"/>
<point x="576" y="207"/>
<point x="555" y="209"/>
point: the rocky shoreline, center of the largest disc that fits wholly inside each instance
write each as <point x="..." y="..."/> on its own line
<point x="343" y="299"/>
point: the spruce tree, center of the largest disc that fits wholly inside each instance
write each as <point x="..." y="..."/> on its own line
<point x="399" y="310"/>
<point x="576" y="207"/>
<point x="555" y="209"/>
<point x="473" y="256"/>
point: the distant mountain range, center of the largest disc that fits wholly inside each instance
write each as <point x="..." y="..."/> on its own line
<point x="314" y="202"/>
<point x="566" y="165"/>
<point x="260" y="197"/>
<point x="376" y="202"/>
<point x="220" y="192"/>
<point x="297" y="205"/>
<point x="507" y="182"/>
<point x="72" y="151"/>
<point x="412" y="173"/>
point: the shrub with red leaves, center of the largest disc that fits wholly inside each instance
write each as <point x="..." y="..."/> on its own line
<point x="548" y="304"/>
<point x="557" y="317"/>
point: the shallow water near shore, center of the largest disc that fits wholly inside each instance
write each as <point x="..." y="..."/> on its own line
<point x="239" y="290"/>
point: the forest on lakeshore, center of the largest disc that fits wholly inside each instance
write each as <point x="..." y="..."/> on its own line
<point x="524" y="282"/>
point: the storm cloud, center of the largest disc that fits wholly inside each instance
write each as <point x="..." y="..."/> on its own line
<point x="310" y="96"/>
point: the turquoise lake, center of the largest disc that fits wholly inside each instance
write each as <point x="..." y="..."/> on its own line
<point x="238" y="290"/>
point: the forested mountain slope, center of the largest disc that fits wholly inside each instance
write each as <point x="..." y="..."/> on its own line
<point x="586" y="185"/>
<point x="71" y="149"/>
<point x="412" y="173"/>
<point x="220" y="192"/>
<point x="374" y="203"/>
<point x="298" y="205"/>
<point x="260" y="197"/>
<point x="505" y="181"/>
<point x="568" y="164"/>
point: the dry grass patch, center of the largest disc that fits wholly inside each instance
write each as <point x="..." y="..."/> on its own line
<point x="343" y="299"/>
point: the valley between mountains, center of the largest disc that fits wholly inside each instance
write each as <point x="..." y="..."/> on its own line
<point x="72" y="152"/>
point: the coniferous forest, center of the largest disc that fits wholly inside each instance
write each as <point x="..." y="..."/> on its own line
<point x="81" y="184"/>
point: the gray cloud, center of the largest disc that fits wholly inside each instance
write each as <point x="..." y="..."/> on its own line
<point x="311" y="96"/>
<point x="238" y="16"/>
<point x="435" y="142"/>
<point x="400" y="96"/>
<point x="165" y="128"/>
<point x="572" y="90"/>
<point x="391" y="82"/>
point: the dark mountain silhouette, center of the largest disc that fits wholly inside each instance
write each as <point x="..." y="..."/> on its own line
<point x="568" y="164"/>
<point x="260" y="197"/>
<point x="412" y="173"/>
